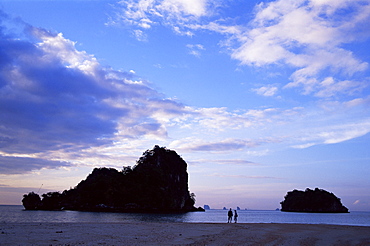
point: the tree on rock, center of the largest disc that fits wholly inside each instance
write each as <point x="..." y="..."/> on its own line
<point x="31" y="201"/>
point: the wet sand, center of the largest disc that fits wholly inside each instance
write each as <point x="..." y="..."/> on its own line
<point x="181" y="234"/>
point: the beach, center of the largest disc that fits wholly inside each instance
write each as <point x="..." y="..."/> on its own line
<point x="149" y="233"/>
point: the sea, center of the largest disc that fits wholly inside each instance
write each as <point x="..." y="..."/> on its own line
<point x="16" y="213"/>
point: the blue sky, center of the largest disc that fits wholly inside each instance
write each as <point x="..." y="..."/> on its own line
<point x="259" y="98"/>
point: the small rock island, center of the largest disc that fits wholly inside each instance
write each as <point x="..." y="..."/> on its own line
<point x="312" y="201"/>
<point x="157" y="183"/>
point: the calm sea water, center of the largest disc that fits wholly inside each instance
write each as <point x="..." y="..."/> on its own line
<point x="17" y="214"/>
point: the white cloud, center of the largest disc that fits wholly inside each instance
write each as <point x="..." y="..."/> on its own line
<point x="357" y="102"/>
<point x="173" y="13"/>
<point x="225" y="145"/>
<point x="57" y="47"/>
<point x="303" y="146"/>
<point x="241" y="176"/>
<point x="307" y="35"/>
<point x="357" y="202"/>
<point x="195" y="46"/>
<point x="331" y="134"/>
<point x="227" y="131"/>
<point x="266" y="91"/>
<point x="337" y="61"/>
<point x="221" y="119"/>
<point x="195" y="49"/>
<point x="195" y="8"/>
<point x="140" y="35"/>
<point x="329" y="87"/>
<point x="345" y="132"/>
<point x="225" y="162"/>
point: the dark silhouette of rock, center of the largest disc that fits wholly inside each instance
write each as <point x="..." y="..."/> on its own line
<point x="313" y="201"/>
<point x="164" y="180"/>
<point x="157" y="183"/>
<point x="206" y="207"/>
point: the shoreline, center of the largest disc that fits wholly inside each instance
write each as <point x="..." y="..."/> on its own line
<point x="167" y="233"/>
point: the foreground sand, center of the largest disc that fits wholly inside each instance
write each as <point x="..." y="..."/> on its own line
<point x="180" y="234"/>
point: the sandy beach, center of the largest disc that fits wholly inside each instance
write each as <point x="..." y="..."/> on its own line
<point x="180" y="234"/>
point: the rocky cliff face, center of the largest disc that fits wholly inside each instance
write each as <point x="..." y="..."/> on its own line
<point x="314" y="201"/>
<point x="157" y="183"/>
<point x="163" y="173"/>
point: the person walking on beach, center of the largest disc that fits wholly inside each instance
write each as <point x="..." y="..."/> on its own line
<point x="235" y="216"/>
<point x="230" y="216"/>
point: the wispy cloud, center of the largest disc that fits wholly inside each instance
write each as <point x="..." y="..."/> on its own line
<point x="225" y="145"/>
<point x="234" y="162"/>
<point x="309" y="36"/>
<point x="222" y="119"/>
<point x="336" y="130"/>
<point x="223" y="130"/>
<point x="229" y="162"/>
<point x="195" y="49"/>
<point x="266" y="91"/>
<point x="18" y="165"/>
<point x="241" y="176"/>
<point x="145" y="14"/>
<point x="345" y="132"/>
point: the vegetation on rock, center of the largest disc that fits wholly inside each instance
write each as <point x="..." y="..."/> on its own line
<point x="314" y="201"/>
<point x="31" y="201"/>
<point x="157" y="183"/>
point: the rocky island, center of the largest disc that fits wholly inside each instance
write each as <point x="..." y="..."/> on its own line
<point x="157" y="183"/>
<point x="312" y="201"/>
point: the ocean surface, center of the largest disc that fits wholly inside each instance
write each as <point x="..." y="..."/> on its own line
<point x="16" y="213"/>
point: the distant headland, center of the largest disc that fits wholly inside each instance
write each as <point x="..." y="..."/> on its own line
<point x="312" y="201"/>
<point x="157" y="183"/>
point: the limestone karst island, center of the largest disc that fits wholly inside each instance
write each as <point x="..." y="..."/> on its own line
<point x="312" y="201"/>
<point x="157" y="183"/>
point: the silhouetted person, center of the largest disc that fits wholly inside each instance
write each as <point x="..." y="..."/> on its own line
<point x="230" y="216"/>
<point x="235" y="216"/>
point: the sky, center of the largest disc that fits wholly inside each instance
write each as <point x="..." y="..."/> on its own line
<point x="258" y="97"/>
